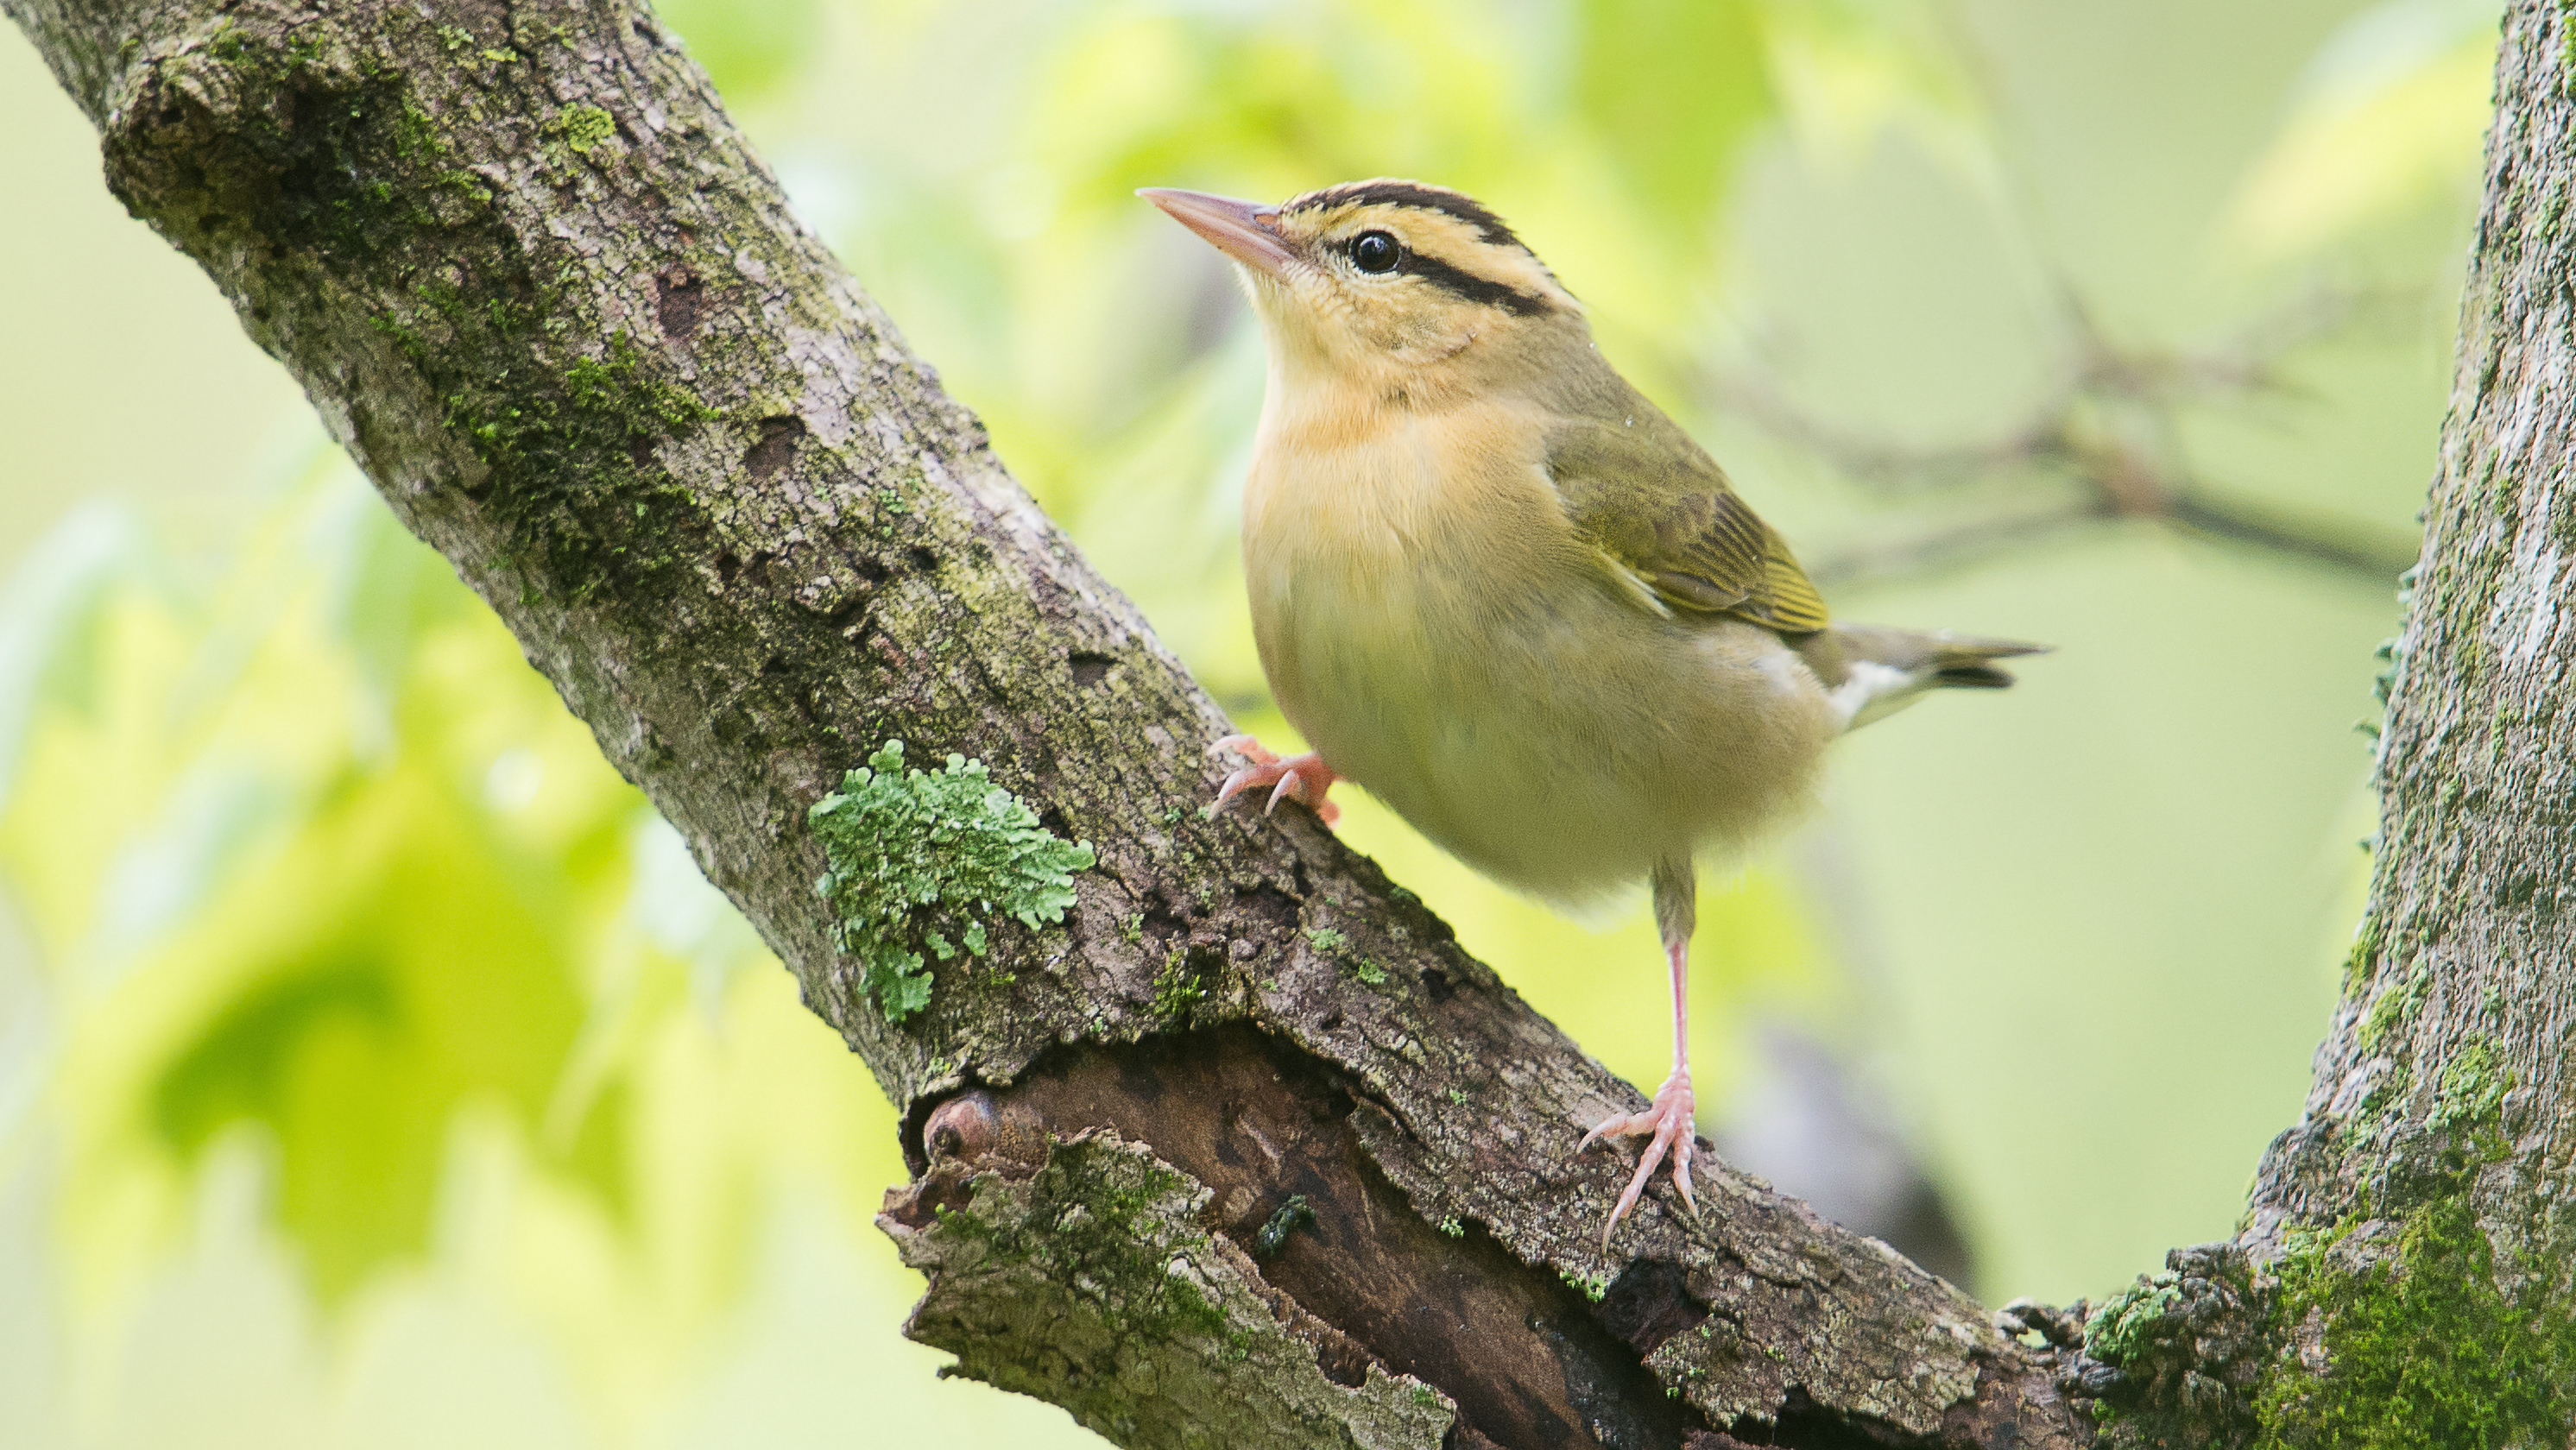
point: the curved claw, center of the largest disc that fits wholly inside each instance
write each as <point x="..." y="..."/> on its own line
<point x="1289" y="785"/>
<point x="1301" y="778"/>
<point x="1236" y="784"/>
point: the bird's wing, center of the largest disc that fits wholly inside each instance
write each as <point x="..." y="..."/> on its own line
<point x="1659" y="508"/>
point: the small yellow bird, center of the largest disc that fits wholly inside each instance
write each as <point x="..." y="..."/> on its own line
<point x="1495" y="586"/>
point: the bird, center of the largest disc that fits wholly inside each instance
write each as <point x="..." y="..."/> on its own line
<point x="1500" y="590"/>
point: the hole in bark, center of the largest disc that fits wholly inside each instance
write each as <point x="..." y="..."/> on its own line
<point x="1648" y="1304"/>
<point x="1166" y="918"/>
<point x="728" y="564"/>
<point x="775" y="448"/>
<point x="922" y="559"/>
<point x="1435" y="984"/>
<point x="790" y="686"/>
<point x="872" y="570"/>
<point x="681" y="296"/>
<point x="850" y="615"/>
<point x="1272" y="907"/>
<point x="1088" y="669"/>
<point x="1809" y="1426"/>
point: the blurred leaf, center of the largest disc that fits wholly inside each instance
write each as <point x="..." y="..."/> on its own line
<point x="751" y="48"/>
<point x="2388" y="115"/>
<point x="49" y="613"/>
<point x="1672" y="88"/>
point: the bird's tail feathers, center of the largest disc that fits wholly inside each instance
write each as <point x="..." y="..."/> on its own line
<point x="1872" y="671"/>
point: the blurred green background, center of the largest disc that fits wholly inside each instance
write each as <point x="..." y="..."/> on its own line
<point x="375" y="1069"/>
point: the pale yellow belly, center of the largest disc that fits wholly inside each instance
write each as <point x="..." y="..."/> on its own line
<point x="1546" y="731"/>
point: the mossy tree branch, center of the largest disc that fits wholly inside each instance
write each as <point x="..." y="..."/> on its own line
<point x="537" y="285"/>
<point x="2406" y="1273"/>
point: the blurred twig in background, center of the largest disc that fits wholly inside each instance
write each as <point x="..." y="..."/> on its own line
<point x="2111" y="428"/>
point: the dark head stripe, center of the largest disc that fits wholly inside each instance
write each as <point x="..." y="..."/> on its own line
<point x="1461" y="283"/>
<point x="1412" y="194"/>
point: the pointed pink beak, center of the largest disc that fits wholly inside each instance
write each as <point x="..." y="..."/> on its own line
<point x="1240" y="229"/>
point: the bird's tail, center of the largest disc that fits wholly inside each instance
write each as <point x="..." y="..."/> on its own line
<point x="1873" y="671"/>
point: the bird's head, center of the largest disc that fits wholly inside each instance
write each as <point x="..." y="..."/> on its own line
<point x="1390" y="284"/>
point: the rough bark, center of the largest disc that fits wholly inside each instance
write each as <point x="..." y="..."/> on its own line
<point x="538" y="286"/>
<point x="2406" y="1271"/>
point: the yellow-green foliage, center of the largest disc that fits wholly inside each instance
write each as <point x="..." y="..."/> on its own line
<point x="926" y="858"/>
<point x="328" y="887"/>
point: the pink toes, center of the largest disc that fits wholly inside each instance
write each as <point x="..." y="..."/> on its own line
<point x="1669" y="1123"/>
<point x="1304" y="779"/>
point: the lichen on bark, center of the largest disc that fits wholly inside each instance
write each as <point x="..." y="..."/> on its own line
<point x="927" y="860"/>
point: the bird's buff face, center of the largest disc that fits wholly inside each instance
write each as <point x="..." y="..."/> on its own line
<point x="1385" y="282"/>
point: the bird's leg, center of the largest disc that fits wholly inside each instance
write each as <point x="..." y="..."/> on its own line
<point x="1669" y="1119"/>
<point x="1300" y="778"/>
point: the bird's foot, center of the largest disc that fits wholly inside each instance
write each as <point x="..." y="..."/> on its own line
<point x="1300" y="778"/>
<point x="1669" y="1121"/>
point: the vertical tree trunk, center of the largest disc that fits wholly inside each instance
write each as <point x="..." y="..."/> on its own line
<point x="2406" y="1272"/>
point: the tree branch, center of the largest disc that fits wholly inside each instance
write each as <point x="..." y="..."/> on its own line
<point x="539" y="287"/>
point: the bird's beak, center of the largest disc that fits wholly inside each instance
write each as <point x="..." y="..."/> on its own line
<point x="1240" y="229"/>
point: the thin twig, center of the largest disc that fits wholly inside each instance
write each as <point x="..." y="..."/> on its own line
<point x="2075" y="434"/>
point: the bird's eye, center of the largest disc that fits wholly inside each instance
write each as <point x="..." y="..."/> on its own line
<point x="1375" y="252"/>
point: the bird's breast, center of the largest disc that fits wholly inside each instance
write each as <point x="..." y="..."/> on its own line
<point x="1431" y="622"/>
<point x="1380" y="561"/>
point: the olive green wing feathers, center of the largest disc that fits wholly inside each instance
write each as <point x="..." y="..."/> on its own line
<point x="1659" y="508"/>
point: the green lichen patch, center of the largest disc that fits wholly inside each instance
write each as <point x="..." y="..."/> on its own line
<point x="2116" y="1332"/>
<point x="2394" y="1329"/>
<point x="2473" y="1085"/>
<point x="927" y="859"/>
<point x="582" y="127"/>
<point x="2421" y="1350"/>
<point x="2567" y="48"/>
<point x="2395" y="1008"/>
<point x="1291" y="1216"/>
<point x="1351" y="962"/>
<point x="2363" y="960"/>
